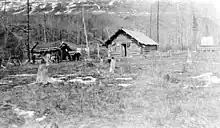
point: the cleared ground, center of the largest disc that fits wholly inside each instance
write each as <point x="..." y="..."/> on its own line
<point x="162" y="94"/>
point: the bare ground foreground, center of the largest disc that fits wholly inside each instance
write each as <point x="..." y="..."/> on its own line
<point x="161" y="91"/>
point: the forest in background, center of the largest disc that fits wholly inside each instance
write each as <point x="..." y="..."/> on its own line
<point x="176" y="22"/>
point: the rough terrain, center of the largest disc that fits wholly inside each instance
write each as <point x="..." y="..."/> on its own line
<point x="162" y="91"/>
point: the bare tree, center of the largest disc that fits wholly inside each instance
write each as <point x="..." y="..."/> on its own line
<point x="151" y="11"/>
<point x="45" y="36"/>
<point x="5" y="22"/>
<point x="158" y="19"/>
<point x="195" y="30"/>
<point x="85" y="32"/>
<point x="28" y="38"/>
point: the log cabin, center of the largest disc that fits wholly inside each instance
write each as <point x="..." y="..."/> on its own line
<point x="128" y="43"/>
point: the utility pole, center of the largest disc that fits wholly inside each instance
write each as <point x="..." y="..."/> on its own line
<point x="158" y="11"/>
<point x="28" y="38"/>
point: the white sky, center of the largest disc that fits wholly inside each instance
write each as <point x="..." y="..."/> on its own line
<point x="215" y="3"/>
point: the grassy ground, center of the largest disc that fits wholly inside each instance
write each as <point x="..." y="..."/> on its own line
<point x="157" y="97"/>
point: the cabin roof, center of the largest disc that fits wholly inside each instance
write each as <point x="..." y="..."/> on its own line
<point x="139" y="37"/>
<point x="47" y="45"/>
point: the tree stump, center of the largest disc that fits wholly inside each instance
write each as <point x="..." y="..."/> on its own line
<point x="112" y="65"/>
<point x="125" y="67"/>
<point x="189" y="58"/>
<point x="101" y="61"/>
<point x="42" y="74"/>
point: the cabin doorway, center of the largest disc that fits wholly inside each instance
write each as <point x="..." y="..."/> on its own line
<point x="124" y="47"/>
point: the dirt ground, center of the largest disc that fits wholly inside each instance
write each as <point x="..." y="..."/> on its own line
<point x="162" y="91"/>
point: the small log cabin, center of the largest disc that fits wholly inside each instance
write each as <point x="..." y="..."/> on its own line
<point x="130" y="43"/>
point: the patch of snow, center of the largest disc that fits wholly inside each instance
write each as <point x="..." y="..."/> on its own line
<point x="41" y="118"/>
<point x="97" y="6"/>
<point x="124" y="78"/>
<point x="214" y="79"/>
<point x="209" y="78"/>
<point x="14" y="126"/>
<point x="3" y="82"/>
<point x="52" y="80"/>
<point x="68" y="11"/>
<point x="58" y="13"/>
<point x="111" y="13"/>
<point x="2" y="66"/>
<point x="70" y="75"/>
<point x="26" y="114"/>
<point x="23" y="75"/>
<point x="98" y="11"/>
<point x="33" y="6"/>
<point x="84" y="80"/>
<point x="203" y="76"/>
<point x="111" y="2"/>
<point x="72" y="4"/>
<point x="124" y="85"/>
<point x="19" y="12"/>
<point x="42" y="6"/>
<point x="53" y="5"/>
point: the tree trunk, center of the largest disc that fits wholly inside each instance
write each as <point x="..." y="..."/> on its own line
<point x="150" y="20"/>
<point x="28" y="38"/>
<point x="85" y="32"/>
<point x="158" y="11"/>
<point x="98" y="50"/>
<point x="109" y="48"/>
<point x="45" y="36"/>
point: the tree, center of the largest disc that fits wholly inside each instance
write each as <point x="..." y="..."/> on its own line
<point x="85" y="32"/>
<point x="195" y="30"/>
<point x="151" y="11"/>
<point x="158" y="19"/>
<point x="28" y="38"/>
